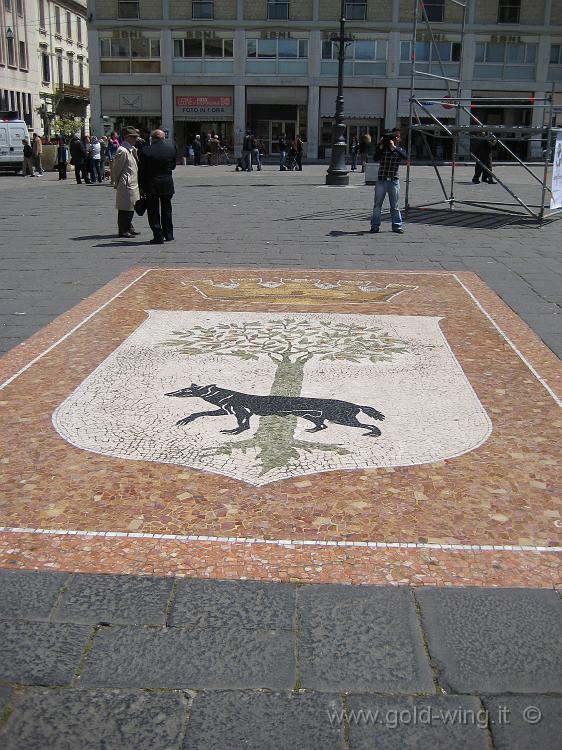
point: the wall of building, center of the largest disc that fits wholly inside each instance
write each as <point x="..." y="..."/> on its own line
<point x="387" y="23"/>
<point x="36" y="27"/>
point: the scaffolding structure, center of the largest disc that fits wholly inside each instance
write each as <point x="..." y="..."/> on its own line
<point x="460" y="134"/>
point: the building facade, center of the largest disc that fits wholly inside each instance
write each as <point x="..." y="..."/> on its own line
<point x="227" y="65"/>
<point x="44" y="65"/>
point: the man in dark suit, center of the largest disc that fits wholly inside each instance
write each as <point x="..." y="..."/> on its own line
<point x="156" y="164"/>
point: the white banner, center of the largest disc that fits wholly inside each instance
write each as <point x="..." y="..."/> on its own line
<point x="556" y="187"/>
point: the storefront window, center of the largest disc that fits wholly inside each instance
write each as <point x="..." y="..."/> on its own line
<point x="431" y="56"/>
<point x="363" y="57"/>
<point x="212" y="47"/>
<point x="272" y="48"/>
<point x="130" y="52"/>
<point x="514" y="61"/>
<point x="271" y="56"/>
<point x="203" y="51"/>
<point x="431" y="53"/>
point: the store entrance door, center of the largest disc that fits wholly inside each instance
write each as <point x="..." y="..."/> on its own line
<point x="268" y="131"/>
<point x="277" y="128"/>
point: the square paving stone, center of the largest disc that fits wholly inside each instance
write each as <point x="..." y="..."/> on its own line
<point x="93" y="719"/>
<point x="494" y="640"/>
<point x="174" y="658"/>
<point x="530" y="722"/>
<point x="362" y="638"/>
<point x="5" y="697"/>
<point x="244" y="604"/>
<point x="41" y="653"/>
<point x="408" y="723"/>
<point x="29" y="594"/>
<point x="115" y="599"/>
<point x="263" y="721"/>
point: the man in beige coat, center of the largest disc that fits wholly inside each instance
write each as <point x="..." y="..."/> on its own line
<point x="124" y="177"/>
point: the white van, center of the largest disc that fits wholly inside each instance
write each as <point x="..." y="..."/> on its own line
<point x="12" y="133"/>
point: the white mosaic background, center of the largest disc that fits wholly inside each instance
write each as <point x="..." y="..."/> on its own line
<point x="120" y="410"/>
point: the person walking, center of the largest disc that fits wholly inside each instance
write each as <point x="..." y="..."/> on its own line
<point x="88" y="163"/>
<point x="483" y="151"/>
<point x="353" y="148"/>
<point x="95" y="169"/>
<point x="37" y="149"/>
<point x="27" y="164"/>
<point x="197" y="150"/>
<point x="61" y="158"/>
<point x="298" y="153"/>
<point x="78" y="160"/>
<point x="124" y="178"/>
<point x="254" y="154"/>
<point x="156" y="164"/>
<point x="282" y="152"/>
<point x="104" y="148"/>
<point x="389" y="154"/>
<point x="213" y="147"/>
<point x="247" y="152"/>
<point x="363" y="150"/>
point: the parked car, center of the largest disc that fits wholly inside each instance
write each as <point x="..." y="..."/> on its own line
<point x="12" y="132"/>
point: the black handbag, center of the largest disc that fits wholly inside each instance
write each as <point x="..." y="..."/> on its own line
<point x="140" y="206"/>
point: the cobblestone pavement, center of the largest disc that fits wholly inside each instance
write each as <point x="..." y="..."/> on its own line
<point x="125" y="662"/>
<point x="117" y="662"/>
<point x="60" y="246"/>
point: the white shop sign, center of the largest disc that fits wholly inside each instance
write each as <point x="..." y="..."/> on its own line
<point x="556" y="187"/>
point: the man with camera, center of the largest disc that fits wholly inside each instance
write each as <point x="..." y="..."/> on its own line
<point x="389" y="154"/>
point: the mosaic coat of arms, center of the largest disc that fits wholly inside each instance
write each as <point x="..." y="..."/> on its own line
<point x="262" y="397"/>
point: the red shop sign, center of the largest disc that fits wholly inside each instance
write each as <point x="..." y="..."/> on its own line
<point x="203" y="101"/>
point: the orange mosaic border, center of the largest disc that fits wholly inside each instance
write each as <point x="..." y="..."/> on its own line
<point x="354" y="563"/>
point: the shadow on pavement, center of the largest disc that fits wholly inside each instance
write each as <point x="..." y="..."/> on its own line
<point x="93" y="237"/>
<point x="116" y="243"/>
<point x="338" y="233"/>
<point x="466" y="219"/>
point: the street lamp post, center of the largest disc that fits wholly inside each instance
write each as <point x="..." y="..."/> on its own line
<point x="337" y="171"/>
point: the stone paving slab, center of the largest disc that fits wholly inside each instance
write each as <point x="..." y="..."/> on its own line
<point x="41" y="653"/>
<point x="28" y="594"/>
<point x="243" y="604"/>
<point x="361" y="639"/>
<point x="94" y="719"/>
<point x="529" y="721"/>
<point x="199" y="658"/>
<point x="263" y="721"/>
<point x="479" y="638"/>
<point x="115" y="599"/>
<point x="439" y="723"/>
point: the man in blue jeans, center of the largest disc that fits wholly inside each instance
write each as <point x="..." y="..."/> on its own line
<point x="389" y="154"/>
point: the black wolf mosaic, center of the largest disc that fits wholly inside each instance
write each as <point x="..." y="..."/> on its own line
<point x="244" y="405"/>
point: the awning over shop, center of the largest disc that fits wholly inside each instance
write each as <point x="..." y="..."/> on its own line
<point x="131" y="100"/>
<point x="276" y="95"/>
<point x="359" y="103"/>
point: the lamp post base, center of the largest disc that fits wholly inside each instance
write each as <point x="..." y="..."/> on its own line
<point x="337" y="180"/>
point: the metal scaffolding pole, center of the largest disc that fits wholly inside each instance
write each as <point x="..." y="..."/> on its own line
<point x="456" y="131"/>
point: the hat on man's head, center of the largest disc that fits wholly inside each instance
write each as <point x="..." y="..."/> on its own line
<point x="130" y="130"/>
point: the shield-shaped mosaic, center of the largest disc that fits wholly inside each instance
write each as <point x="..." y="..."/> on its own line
<point x="262" y="397"/>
